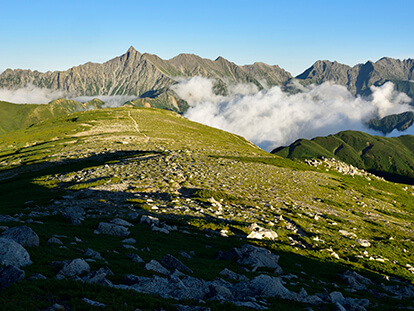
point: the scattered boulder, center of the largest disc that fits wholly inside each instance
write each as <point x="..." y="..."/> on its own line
<point x="172" y="263"/>
<point x="99" y="277"/>
<point x="135" y="258"/>
<point x="363" y="243"/>
<point x="74" y="267"/>
<point x="258" y="257"/>
<point x="112" y="229"/>
<point x="260" y="233"/>
<point x="147" y="219"/>
<point x="233" y="275"/>
<point x="54" y="240"/>
<point x="55" y="307"/>
<point x="129" y="241"/>
<point x="9" y="275"/>
<point x="8" y="218"/>
<point x="12" y="253"/>
<point x="355" y="280"/>
<point x="74" y="213"/>
<point x="121" y="222"/>
<point x="159" y="229"/>
<point x="191" y="308"/>
<point x="347" y="234"/>
<point x="155" y="266"/>
<point x="23" y="235"/>
<point x="93" y="303"/>
<point x="93" y="254"/>
<point x="265" y="285"/>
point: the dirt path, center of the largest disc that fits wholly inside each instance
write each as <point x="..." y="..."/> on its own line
<point x="147" y="139"/>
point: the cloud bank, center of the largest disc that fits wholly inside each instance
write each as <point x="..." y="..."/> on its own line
<point x="29" y="94"/>
<point x="271" y="118"/>
<point x="111" y="101"/>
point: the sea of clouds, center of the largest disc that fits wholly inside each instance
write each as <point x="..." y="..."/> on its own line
<point x="272" y="118"/>
<point x="269" y="118"/>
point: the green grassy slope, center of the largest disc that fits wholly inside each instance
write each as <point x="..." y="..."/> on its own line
<point x="114" y="162"/>
<point x="392" y="157"/>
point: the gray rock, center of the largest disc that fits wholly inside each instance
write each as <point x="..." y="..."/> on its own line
<point x="264" y="285"/>
<point x="99" y="277"/>
<point x="23" y="235"/>
<point x="121" y="222"/>
<point x="184" y="254"/>
<point x="38" y="276"/>
<point x="129" y="241"/>
<point x="135" y="258"/>
<point x="55" y="240"/>
<point x="191" y="308"/>
<point x="9" y="275"/>
<point x="74" y="267"/>
<point x="233" y="275"/>
<point x="172" y="263"/>
<point x="93" y="254"/>
<point x="363" y="243"/>
<point x="56" y="307"/>
<point x="12" y="253"/>
<point x="74" y="213"/>
<point x="112" y="229"/>
<point x="159" y="229"/>
<point x="155" y="266"/>
<point x="258" y="257"/>
<point x="146" y="219"/>
<point x="260" y="233"/>
<point x="355" y="280"/>
<point x="93" y="303"/>
<point x="8" y="218"/>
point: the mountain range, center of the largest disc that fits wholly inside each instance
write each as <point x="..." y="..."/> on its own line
<point x="147" y="75"/>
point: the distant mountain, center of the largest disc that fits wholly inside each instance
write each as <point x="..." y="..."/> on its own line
<point x="386" y="125"/>
<point x="143" y="75"/>
<point x="359" y="78"/>
<point x="391" y="158"/>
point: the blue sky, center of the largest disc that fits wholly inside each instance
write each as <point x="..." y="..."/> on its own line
<point x="56" y="35"/>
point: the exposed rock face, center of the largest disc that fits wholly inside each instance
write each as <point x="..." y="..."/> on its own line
<point x="143" y="75"/>
<point x="23" y="235"/>
<point x="361" y="77"/>
<point x="12" y="253"/>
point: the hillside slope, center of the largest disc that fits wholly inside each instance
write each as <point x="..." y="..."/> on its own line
<point x="121" y="199"/>
<point x="390" y="157"/>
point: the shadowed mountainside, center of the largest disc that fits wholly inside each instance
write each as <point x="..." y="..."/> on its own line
<point x="390" y="157"/>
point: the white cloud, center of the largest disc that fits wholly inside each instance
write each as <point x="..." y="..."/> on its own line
<point x="271" y="118"/>
<point x="110" y="101"/>
<point x="30" y="94"/>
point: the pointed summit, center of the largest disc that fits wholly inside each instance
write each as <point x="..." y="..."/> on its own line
<point x="132" y="50"/>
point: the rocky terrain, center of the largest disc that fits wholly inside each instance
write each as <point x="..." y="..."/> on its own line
<point x="141" y="209"/>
